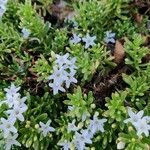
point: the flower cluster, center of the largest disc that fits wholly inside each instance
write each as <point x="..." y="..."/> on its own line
<point x="140" y="123"/>
<point x="2" y="7"/>
<point x="17" y="107"/>
<point x="88" y="40"/>
<point x="84" y="136"/>
<point x="64" y="71"/>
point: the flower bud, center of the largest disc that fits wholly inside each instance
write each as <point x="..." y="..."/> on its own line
<point x="27" y="126"/>
<point x="36" y="126"/>
<point x="96" y="113"/>
<point x="80" y="125"/>
<point x="93" y="106"/>
<point x="113" y="125"/>
<point x="28" y="122"/>
<point x="130" y="128"/>
<point x="120" y="145"/>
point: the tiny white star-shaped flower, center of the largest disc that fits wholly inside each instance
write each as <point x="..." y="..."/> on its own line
<point x="71" y="65"/>
<point x="7" y="126"/>
<point x="46" y="128"/>
<point x="56" y="88"/>
<point x="58" y="76"/>
<point x="12" y="90"/>
<point x="80" y="140"/>
<point x="26" y="33"/>
<point x="142" y="127"/>
<point x="17" y="112"/>
<point x="134" y="117"/>
<point x="97" y="124"/>
<point x="62" y="59"/>
<point x="71" y="79"/>
<point x="66" y="145"/>
<point x="20" y="102"/>
<point x="89" y="40"/>
<point x="75" y="39"/>
<point x="2" y="10"/>
<point x="72" y="126"/>
<point x="87" y="133"/>
<point x="3" y="2"/>
<point x="10" y="141"/>
<point x="11" y="99"/>
<point x="109" y="37"/>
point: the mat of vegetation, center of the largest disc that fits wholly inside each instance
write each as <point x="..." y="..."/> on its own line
<point x="74" y="74"/>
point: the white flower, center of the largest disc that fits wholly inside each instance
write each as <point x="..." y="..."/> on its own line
<point x="61" y="60"/>
<point x="7" y="126"/>
<point x="17" y="112"/>
<point x="97" y="124"/>
<point x="12" y="90"/>
<point x="72" y="126"/>
<point x="120" y="145"/>
<point x="26" y="33"/>
<point x="71" y="65"/>
<point x="56" y="88"/>
<point x="64" y="72"/>
<point x="70" y="79"/>
<point x="2" y="10"/>
<point x="75" y="39"/>
<point x="20" y="102"/>
<point x="134" y="117"/>
<point x="87" y="133"/>
<point x="3" y="2"/>
<point x="109" y="37"/>
<point x="10" y="99"/>
<point x="58" y="76"/>
<point x="10" y="141"/>
<point x="66" y="145"/>
<point x="89" y="40"/>
<point x="80" y="140"/>
<point x="46" y="128"/>
<point x="142" y="127"/>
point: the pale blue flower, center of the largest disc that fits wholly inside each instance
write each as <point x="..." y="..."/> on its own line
<point x="26" y="33"/>
<point x="12" y="90"/>
<point x="97" y="124"/>
<point x="134" y="117"/>
<point x="2" y="7"/>
<point x="139" y="122"/>
<point x="66" y="145"/>
<point x="63" y="72"/>
<point x="75" y="39"/>
<point x="81" y="140"/>
<point x="2" y="10"/>
<point x="62" y="60"/>
<point x="3" y="2"/>
<point x="17" y="112"/>
<point x="109" y="37"/>
<point x="7" y="126"/>
<point x="11" y="141"/>
<point x="56" y="88"/>
<point x="89" y="40"/>
<point x="46" y="128"/>
<point x="142" y="127"/>
<point x="72" y="126"/>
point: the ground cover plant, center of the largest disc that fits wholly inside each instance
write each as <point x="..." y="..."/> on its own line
<point x="74" y="74"/>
